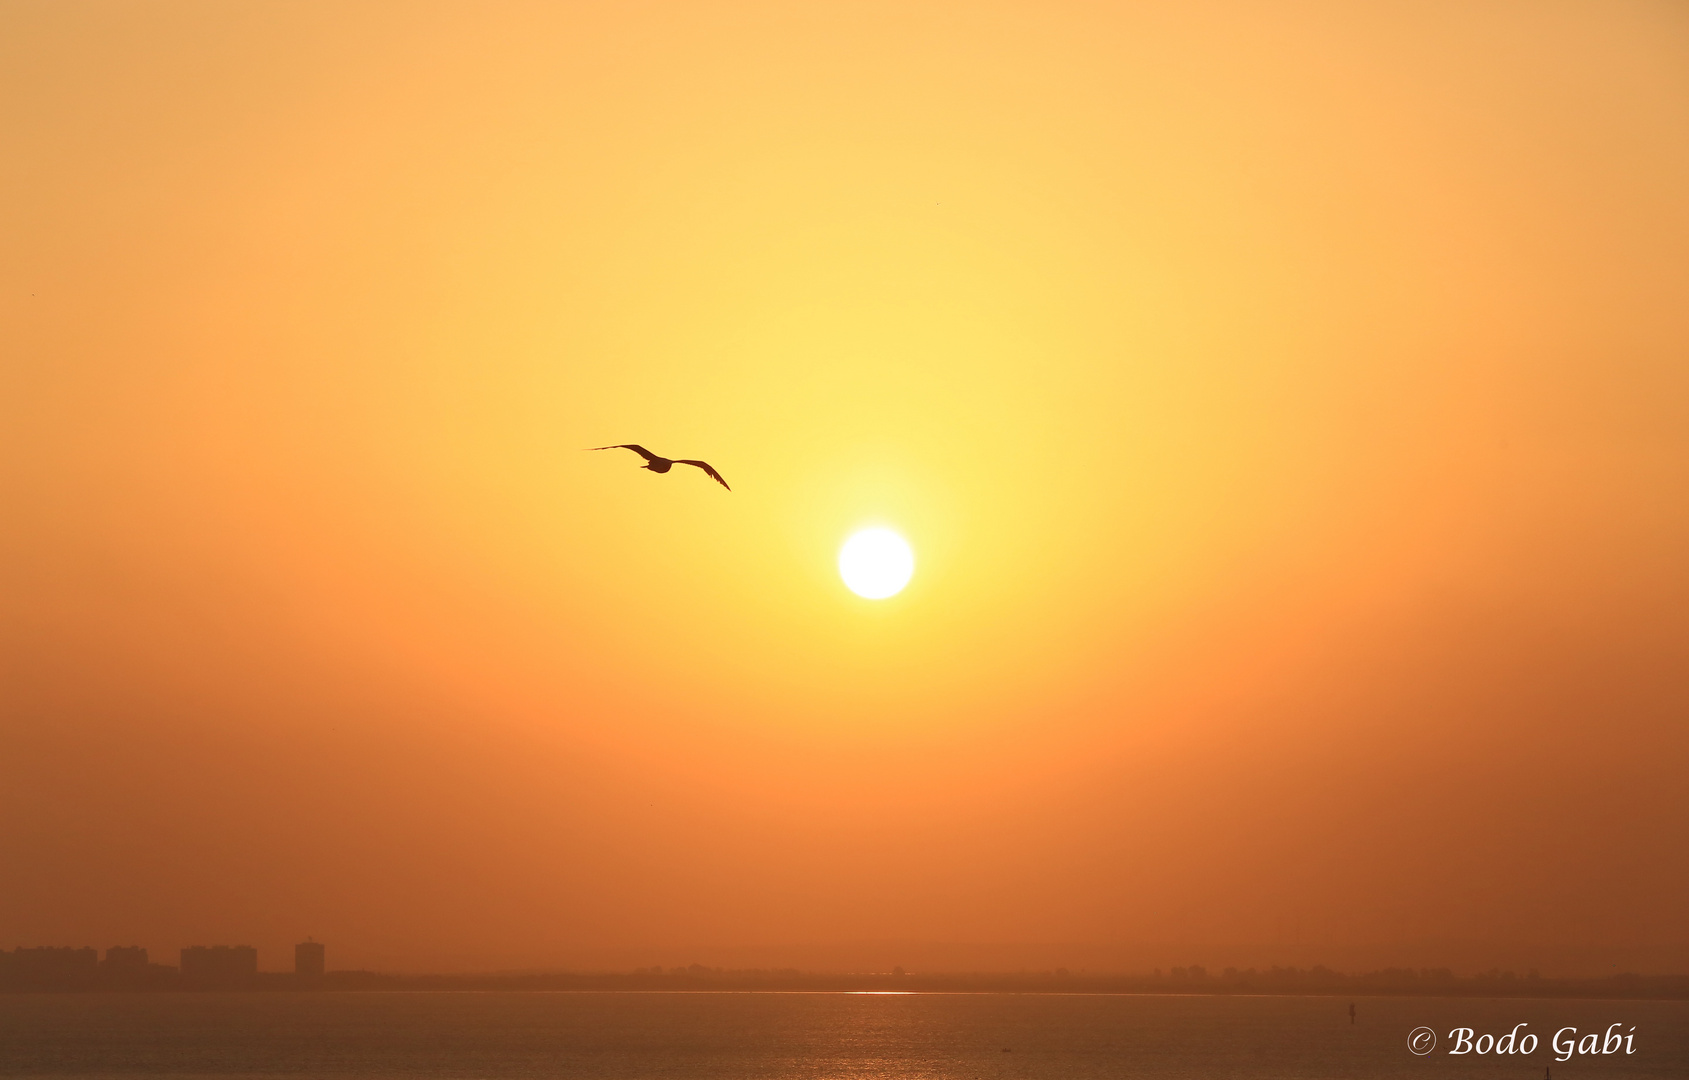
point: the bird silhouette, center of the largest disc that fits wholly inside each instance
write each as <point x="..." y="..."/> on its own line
<point x="662" y="464"/>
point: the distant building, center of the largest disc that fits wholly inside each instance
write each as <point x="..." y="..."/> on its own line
<point x="219" y="964"/>
<point x="50" y="967"/>
<point x="308" y="959"/>
<point x="125" y="960"/>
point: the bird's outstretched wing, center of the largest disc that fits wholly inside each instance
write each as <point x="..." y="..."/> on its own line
<point x="635" y="447"/>
<point x="704" y="465"/>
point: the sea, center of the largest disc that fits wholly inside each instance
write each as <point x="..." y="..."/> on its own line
<point x="740" y="1036"/>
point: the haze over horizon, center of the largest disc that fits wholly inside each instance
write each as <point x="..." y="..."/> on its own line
<point x="1288" y="411"/>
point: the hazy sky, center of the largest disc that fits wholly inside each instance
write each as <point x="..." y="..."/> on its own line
<point x="1288" y="406"/>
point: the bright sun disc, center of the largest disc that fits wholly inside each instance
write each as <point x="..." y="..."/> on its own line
<point x="876" y="563"/>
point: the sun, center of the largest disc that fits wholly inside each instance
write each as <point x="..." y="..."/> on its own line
<point x="876" y="563"/>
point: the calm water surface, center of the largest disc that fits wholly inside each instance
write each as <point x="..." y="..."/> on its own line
<point x="709" y="1035"/>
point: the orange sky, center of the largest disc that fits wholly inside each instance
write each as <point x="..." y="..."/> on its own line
<point x="1288" y="406"/>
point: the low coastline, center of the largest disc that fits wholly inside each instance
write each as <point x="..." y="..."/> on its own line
<point x="696" y="978"/>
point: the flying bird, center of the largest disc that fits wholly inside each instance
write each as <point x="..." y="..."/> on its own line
<point x="663" y="464"/>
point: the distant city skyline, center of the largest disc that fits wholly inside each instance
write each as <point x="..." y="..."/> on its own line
<point x="197" y="964"/>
